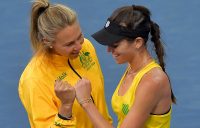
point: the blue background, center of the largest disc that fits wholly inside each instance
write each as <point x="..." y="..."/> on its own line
<point x="179" y="21"/>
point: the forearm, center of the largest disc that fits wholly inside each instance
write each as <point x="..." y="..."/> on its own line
<point x="94" y="115"/>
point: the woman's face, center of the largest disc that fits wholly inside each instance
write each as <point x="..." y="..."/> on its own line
<point x="68" y="41"/>
<point x="122" y="51"/>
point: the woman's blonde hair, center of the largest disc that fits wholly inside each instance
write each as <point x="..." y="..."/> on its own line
<point x="46" y="21"/>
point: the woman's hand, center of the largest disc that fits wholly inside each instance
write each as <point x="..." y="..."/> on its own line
<point x="66" y="93"/>
<point x="83" y="95"/>
<point x="83" y="90"/>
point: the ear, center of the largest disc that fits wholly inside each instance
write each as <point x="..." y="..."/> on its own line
<point x="139" y="42"/>
<point x="47" y="43"/>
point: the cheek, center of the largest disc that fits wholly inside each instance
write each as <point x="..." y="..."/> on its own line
<point x="121" y="50"/>
<point x="63" y="51"/>
<point x="125" y="53"/>
<point x="67" y="50"/>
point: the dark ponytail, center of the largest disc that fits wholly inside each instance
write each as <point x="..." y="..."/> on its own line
<point x="159" y="49"/>
<point x="155" y="38"/>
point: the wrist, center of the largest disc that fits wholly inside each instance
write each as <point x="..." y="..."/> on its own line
<point x="87" y="105"/>
<point x="65" y="110"/>
<point x="85" y="102"/>
<point x="64" y="117"/>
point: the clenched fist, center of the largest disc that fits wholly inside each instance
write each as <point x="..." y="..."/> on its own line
<point x="83" y="89"/>
<point x="65" y="92"/>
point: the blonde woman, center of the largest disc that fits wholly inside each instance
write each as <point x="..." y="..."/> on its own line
<point x="61" y="57"/>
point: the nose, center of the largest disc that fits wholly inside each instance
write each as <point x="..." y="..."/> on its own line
<point x="78" y="46"/>
<point x="109" y="49"/>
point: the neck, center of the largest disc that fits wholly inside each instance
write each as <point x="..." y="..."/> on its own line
<point x="139" y="62"/>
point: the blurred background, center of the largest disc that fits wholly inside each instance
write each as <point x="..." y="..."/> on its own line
<point x="179" y="22"/>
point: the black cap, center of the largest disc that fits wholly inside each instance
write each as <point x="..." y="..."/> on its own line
<point x="113" y="32"/>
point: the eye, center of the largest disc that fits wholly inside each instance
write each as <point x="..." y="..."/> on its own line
<point x="114" y="45"/>
<point x="69" y="44"/>
<point x="80" y="37"/>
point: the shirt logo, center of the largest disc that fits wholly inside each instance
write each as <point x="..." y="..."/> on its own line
<point x="107" y="24"/>
<point x="62" y="76"/>
<point x="59" y="124"/>
<point x="86" y="60"/>
<point x="125" y="109"/>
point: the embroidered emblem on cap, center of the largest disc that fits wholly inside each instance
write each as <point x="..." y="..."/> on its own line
<point x="107" y="23"/>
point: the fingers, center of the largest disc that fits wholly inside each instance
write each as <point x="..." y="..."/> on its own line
<point x="60" y="84"/>
<point x="62" y="87"/>
<point x="82" y="82"/>
<point x="65" y="92"/>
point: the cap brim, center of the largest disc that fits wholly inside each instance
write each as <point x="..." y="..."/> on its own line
<point x="106" y="38"/>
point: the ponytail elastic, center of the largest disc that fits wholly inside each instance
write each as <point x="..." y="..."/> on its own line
<point x="43" y="9"/>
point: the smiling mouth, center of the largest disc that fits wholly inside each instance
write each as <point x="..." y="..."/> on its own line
<point x="75" y="53"/>
<point x="115" y="56"/>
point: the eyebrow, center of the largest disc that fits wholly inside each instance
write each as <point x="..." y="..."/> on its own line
<point x="114" y="44"/>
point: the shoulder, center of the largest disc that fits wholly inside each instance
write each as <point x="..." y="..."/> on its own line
<point x="87" y="44"/>
<point x="156" y="77"/>
<point x="29" y="86"/>
<point x="154" y="83"/>
<point x="32" y="75"/>
<point x="31" y="71"/>
<point x="87" y="41"/>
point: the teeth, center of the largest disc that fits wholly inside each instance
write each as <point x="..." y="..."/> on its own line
<point x="76" y="53"/>
<point x="115" y="55"/>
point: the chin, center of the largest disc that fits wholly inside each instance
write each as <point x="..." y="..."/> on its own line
<point x="74" y="57"/>
<point x="119" y="62"/>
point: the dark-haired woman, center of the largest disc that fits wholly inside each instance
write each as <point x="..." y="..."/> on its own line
<point x="143" y="97"/>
